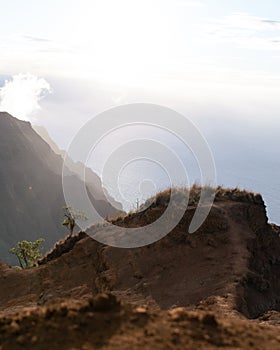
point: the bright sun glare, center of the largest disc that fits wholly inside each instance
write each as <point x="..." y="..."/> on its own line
<point x="122" y="41"/>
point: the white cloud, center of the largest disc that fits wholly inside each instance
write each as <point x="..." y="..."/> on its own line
<point x="247" y="31"/>
<point x="240" y="21"/>
<point x="20" y="96"/>
<point x="190" y="4"/>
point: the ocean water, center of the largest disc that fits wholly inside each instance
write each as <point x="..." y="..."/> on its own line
<point x="249" y="161"/>
<point x="143" y="179"/>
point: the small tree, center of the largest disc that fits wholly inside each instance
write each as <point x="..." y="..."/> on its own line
<point x="70" y="218"/>
<point x="28" y="253"/>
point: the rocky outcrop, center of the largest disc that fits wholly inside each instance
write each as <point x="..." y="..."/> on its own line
<point x="196" y="289"/>
<point x="233" y="253"/>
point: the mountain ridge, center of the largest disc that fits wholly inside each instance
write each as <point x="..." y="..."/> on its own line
<point x="31" y="191"/>
<point x="216" y="287"/>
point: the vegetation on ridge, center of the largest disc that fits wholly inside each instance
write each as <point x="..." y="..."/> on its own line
<point x="28" y="253"/>
<point x="71" y="217"/>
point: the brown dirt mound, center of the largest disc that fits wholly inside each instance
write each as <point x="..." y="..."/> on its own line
<point x="104" y="323"/>
<point x="228" y="268"/>
<point x="62" y="247"/>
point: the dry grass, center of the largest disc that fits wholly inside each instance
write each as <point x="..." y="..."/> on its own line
<point x="181" y="197"/>
<point x="237" y="195"/>
<point x="191" y="196"/>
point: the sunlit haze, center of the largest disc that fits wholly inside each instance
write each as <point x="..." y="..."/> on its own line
<point x="217" y="62"/>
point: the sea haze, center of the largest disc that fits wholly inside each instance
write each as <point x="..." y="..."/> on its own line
<point x="245" y="159"/>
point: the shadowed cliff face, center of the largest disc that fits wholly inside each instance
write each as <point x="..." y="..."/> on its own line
<point x="92" y="180"/>
<point x="31" y="196"/>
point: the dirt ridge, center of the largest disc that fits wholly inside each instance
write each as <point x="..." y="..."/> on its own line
<point x="214" y="281"/>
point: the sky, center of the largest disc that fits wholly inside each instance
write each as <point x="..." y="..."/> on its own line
<point x="177" y="48"/>
<point x="215" y="61"/>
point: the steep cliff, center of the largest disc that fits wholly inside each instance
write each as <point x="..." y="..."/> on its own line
<point x="31" y="195"/>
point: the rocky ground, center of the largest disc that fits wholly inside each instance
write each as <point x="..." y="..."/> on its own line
<point x="217" y="288"/>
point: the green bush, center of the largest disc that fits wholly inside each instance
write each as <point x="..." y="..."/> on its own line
<point x="28" y="253"/>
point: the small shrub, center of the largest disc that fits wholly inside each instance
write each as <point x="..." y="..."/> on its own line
<point x="28" y="253"/>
